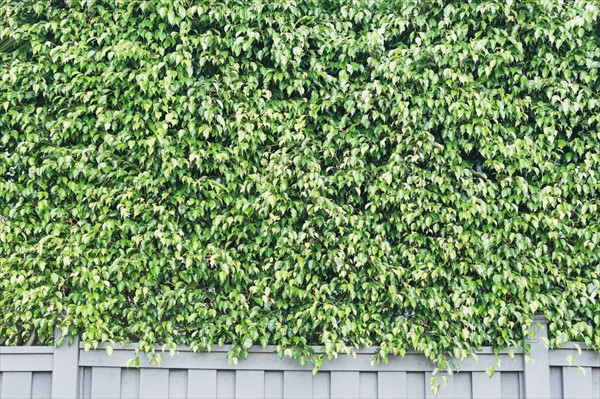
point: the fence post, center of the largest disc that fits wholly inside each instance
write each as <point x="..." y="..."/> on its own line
<point x="536" y="372"/>
<point x="65" y="371"/>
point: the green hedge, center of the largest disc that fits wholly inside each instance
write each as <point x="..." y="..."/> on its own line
<point x="407" y="174"/>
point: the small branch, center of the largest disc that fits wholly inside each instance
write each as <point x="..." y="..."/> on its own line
<point x="31" y="339"/>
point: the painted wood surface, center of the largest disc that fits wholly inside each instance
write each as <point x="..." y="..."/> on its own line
<point x="249" y="384"/>
<point x="486" y="387"/>
<point x="65" y="369"/>
<point x="69" y="371"/>
<point x="577" y="383"/>
<point x="41" y="385"/>
<point x="154" y="383"/>
<point x="202" y="384"/>
<point x="16" y="384"/>
<point x="25" y="384"/>
<point x="106" y="383"/>
<point x="273" y="384"/>
<point x="113" y="382"/>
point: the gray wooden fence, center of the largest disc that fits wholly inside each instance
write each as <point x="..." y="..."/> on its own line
<point x="70" y="371"/>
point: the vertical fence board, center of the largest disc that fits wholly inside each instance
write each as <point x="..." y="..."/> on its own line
<point x="345" y="384"/>
<point x="297" y="384"/>
<point x="249" y="384"/>
<point x="226" y="384"/>
<point x="80" y="382"/>
<point x="106" y="382"/>
<point x="273" y="384"/>
<point x="202" y="384"/>
<point x="41" y="385"/>
<point x="321" y="385"/>
<point x="556" y="386"/>
<point x="511" y="385"/>
<point x="154" y="383"/>
<point x="446" y="391"/>
<point x="486" y="387"/>
<point x="577" y="383"/>
<point x="463" y="386"/>
<point x="85" y="390"/>
<point x="0" y="382"/>
<point x="130" y="383"/>
<point x="415" y="385"/>
<point x="65" y="369"/>
<point x="596" y="381"/>
<point x="535" y="374"/>
<point x="391" y="385"/>
<point x="368" y="384"/>
<point x="16" y="384"/>
<point x="178" y="384"/>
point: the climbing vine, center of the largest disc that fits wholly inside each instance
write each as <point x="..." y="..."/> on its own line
<point x="413" y="175"/>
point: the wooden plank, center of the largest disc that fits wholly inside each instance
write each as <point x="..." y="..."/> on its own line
<point x="106" y="382"/>
<point x="415" y="385"/>
<point x="26" y="350"/>
<point x="345" y="384"/>
<point x="26" y="362"/>
<point x="16" y="384"/>
<point x="225" y="384"/>
<point x="486" y="387"/>
<point x="178" y="384"/>
<point x="368" y="384"/>
<point x="485" y="361"/>
<point x="273" y="384"/>
<point x="80" y="383"/>
<point x="65" y="369"/>
<point x="446" y="390"/>
<point x="85" y="389"/>
<point x="560" y="357"/>
<point x="154" y="383"/>
<point x="577" y="383"/>
<point x="391" y="384"/>
<point x="321" y="385"/>
<point x="271" y="361"/>
<point x="536" y="379"/>
<point x="272" y="349"/>
<point x="202" y="384"/>
<point x="596" y="381"/>
<point x="41" y="385"/>
<point x="463" y="385"/>
<point x="556" y="383"/>
<point x="130" y="383"/>
<point x="510" y="385"/>
<point x="369" y="351"/>
<point x="297" y="384"/>
<point x="249" y="384"/>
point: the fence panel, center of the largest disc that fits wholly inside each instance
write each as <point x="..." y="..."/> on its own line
<point x="70" y="371"/>
<point x="202" y="384"/>
<point x="16" y="384"/>
<point x="41" y="385"/>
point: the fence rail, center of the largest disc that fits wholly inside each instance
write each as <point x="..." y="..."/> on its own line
<point x="70" y="371"/>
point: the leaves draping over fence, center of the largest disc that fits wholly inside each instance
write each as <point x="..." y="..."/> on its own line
<point x="407" y="174"/>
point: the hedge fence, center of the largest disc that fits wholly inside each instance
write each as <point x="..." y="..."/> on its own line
<point x="413" y="175"/>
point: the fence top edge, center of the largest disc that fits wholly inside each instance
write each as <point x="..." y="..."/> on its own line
<point x="273" y="349"/>
<point x="574" y="345"/>
<point x="26" y="350"/>
<point x="15" y="350"/>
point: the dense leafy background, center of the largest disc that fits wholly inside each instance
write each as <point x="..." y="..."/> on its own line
<point x="407" y="174"/>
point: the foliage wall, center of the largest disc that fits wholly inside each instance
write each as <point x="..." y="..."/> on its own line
<point x="407" y="174"/>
